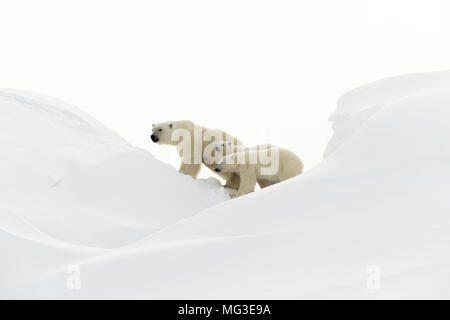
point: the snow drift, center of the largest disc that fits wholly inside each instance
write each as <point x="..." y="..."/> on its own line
<point x="75" y="193"/>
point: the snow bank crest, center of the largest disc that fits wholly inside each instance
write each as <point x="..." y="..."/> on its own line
<point x="356" y="106"/>
<point x="66" y="177"/>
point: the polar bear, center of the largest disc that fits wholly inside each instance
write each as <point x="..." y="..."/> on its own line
<point x="265" y="166"/>
<point x="220" y="149"/>
<point x="192" y="141"/>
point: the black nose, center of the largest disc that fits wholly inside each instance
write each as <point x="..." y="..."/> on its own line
<point x="154" y="138"/>
<point x="217" y="170"/>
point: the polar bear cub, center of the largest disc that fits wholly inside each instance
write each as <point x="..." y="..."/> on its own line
<point x="218" y="150"/>
<point x="192" y="141"/>
<point x="265" y="166"/>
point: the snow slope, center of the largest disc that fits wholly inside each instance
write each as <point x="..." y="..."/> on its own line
<point x="68" y="183"/>
<point x="77" y="194"/>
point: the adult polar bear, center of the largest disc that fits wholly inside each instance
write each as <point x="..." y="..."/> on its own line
<point x="192" y="142"/>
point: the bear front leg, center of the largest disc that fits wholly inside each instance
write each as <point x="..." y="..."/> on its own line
<point x="248" y="183"/>
<point x="233" y="181"/>
<point x="190" y="169"/>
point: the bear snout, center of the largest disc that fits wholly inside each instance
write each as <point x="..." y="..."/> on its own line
<point x="154" y="138"/>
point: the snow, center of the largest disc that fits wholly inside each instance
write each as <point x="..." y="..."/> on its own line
<point x="74" y="193"/>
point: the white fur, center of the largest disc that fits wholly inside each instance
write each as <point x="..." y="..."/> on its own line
<point x="251" y="172"/>
<point x="199" y="140"/>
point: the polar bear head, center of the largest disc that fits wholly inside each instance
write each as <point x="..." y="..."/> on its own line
<point x="169" y="132"/>
<point x="215" y="151"/>
<point x="228" y="164"/>
<point x="162" y="132"/>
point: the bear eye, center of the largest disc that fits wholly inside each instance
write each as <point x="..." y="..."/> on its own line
<point x="160" y="130"/>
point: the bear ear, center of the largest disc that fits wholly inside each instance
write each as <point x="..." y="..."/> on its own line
<point x="170" y="125"/>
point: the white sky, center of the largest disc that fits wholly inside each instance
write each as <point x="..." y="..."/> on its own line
<point x="265" y="71"/>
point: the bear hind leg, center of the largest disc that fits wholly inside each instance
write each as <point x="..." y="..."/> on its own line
<point x="265" y="183"/>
